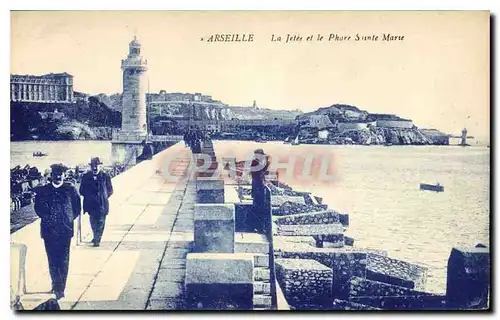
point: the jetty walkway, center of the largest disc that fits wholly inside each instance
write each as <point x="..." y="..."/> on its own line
<point x="141" y="261"/>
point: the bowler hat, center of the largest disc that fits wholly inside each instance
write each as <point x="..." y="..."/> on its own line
<point x="95" y="161"/>
<point x="258" y="151"/>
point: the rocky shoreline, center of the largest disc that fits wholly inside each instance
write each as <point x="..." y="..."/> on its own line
<point x="373" y="136"/>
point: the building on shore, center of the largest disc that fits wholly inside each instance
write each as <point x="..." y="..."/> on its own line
<point x="47" y="88"/>
<point x="175" y="104"/>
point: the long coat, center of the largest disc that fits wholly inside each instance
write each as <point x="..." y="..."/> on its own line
<point x="96" y="192"/>
<point x="57" y="208"/>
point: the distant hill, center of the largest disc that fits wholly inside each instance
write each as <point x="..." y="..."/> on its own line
<point x="347" y="113"/>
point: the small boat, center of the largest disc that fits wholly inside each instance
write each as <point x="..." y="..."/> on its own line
<point x="40" y="154"/>
<point x="388" y="144"/>
<point x="296" y="141"/>
<point x="432" y="187"/>
<point x="287" y="140"/>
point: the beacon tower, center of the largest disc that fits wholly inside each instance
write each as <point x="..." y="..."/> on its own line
<point x="134" y="92"/>
<point x="126" y="144"/>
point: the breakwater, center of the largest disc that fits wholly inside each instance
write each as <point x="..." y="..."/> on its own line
<point x="318" y="267"/>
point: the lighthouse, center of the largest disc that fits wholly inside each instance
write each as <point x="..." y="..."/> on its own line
<point x="127" y="142"/>
<point x="134" y="69"/>
<point x="463" y="141"/>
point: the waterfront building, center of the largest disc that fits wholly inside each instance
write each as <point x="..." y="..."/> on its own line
<point x="47" y="88"/>
<point x="175" y="104"/>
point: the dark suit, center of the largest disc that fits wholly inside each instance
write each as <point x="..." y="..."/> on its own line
<point x="57" y="208"/>
<point x="96" y="189"/>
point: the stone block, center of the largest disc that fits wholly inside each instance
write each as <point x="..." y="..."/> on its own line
<point x="262" y="274"/>
<point x="359" y="287"/>
<point x="261" y="260"/>
<point x="295" y="239"/>
<point x="219" y="281"/>
<point x="330" y="241"/>
<point x="396" y="272"/>
<point x="210" y="191"/>
<point x="348" y="241"/>
<point x="247" y="242"/>
<point x="468" y="278"/>
<point x="344" y="262"/>
<point x="344" y="219"/>
<point x="214" y="228"/>
<point x="289" y="208"/>
<point x="280" y="200"/>
<point x="311" y="229"/>
<point x="304" y="280"/>
<point x="318" y="217"/>
<point x="262" y="287"/>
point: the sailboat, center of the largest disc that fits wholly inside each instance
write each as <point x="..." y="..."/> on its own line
<point x="296" y="141"/>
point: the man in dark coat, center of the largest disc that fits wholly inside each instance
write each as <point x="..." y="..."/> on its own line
<point x="58" y="205"/>
<point x="96" y="188"/>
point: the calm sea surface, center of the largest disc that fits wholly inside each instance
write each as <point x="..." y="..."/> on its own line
<point x="68" y="152"/>
<point x="377" y="186"/>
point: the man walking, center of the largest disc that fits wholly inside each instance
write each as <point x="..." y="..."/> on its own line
<point x="58" y="205"/>
<point x="96" y="188"/>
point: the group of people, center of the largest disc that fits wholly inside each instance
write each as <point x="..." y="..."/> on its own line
<point x="58" y="204"/>
<point x="193" y="138"/>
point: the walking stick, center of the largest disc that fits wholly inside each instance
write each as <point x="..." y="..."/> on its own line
<point x="79" y="230"/>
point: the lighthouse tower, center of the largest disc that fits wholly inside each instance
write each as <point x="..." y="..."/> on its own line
<point x="463" y="141"/>
<point x="126" y="144"/>
<point x="134" y="93"/>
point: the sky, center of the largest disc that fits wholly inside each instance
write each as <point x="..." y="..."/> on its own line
<point x="438" y="76"/>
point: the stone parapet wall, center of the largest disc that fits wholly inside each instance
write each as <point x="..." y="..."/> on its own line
<point x="304" y="280"/>
<point x="397" y="272"/>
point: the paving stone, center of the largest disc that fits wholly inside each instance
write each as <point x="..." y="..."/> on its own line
<point x="166" y="304"/>
<point x="149" y="261"/>
<point x="168" y="289"/>
<point x="142" y="245"/>
<point x="137" y="298"/>
<point x="187" y="245"/>
<point x="171" y="275"/>
<point x="168" y="263"/>
<point x="143" y="281"/>
<point x="178" y="228"/>
<point x="105" y="306"/>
